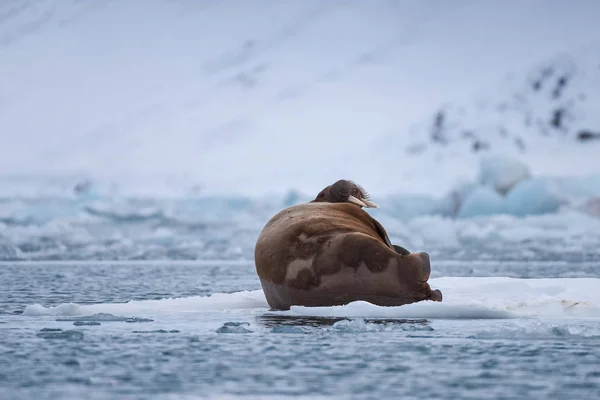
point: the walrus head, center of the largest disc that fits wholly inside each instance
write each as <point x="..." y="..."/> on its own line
<point x="344" y="191"/>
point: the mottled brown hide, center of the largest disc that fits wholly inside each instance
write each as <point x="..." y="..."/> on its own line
<point x="335" y="253"/>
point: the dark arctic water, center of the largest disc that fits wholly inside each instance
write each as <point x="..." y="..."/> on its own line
<point x="181" y="315"/>
<point x="232" y="346"/>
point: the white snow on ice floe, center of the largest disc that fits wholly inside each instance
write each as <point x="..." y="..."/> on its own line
<point x="466" y="298"/>
<point x="214" y="302"/>
<point x="487" y="298"/>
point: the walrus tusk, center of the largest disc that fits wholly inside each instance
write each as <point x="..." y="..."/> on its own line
<point x="356" y="201"/>
<point x="370" y="204"/>
<point x="362" y="203"/>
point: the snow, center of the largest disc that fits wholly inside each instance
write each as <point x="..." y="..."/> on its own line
<point x="482" y="201"/>
<point x="504" y="185"/>
<point x="485" y="298"/>
<point x="238" y="98"/>
<point x="533" y="196"/>
<point x="464" y="298"/>
<point x="215" y="302"/>
<point x="502" y="173"/>
<point x="539" y="218"/>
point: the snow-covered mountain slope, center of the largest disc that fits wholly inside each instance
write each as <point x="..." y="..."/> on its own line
<point x="547" y="118"/>
<point x="262" y="96"/>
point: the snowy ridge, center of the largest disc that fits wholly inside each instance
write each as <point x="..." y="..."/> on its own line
<point x="543" y="117"/>
<point x="155" y="105"/>
<point x="463" y="298"/>
<point x="554" y="100"/>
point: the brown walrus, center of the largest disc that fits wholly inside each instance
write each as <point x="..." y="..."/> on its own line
<point x="331" y="252"/>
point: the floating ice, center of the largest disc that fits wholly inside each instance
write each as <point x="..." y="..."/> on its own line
<point x="214" y="302"/>
<point x="482" y="201"/>
<point x="470" y="298"/>
<point x="359" y="325"/>
<point x="501" y="173"/>
<point x="124" y="213"/>
<point x="363" y="309"/>
<point x="505" y="186"/>
<point x="533" y="196"/>
<point x="538" y="329"/>
<point x="52" y="333"/>
<point x="452" y="203"/>
<point x="528" y="197"/>
<point x="86" y="323"/>
<point x="485" y="298"/>
<point x="104" y="317"/>
<point x="234" y="327"/>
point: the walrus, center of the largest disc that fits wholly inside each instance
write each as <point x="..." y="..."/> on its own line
<point x="330" y="252"/>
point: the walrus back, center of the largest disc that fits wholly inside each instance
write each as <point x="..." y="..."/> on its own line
<point x="298" y="232"/>
<point x="322" y="253"/>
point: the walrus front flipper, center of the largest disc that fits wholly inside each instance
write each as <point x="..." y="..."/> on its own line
<point x="382" y="233"/>
<point x="401" y="250"/>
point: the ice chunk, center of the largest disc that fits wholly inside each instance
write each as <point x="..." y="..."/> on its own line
<point x="592" y="207"/>
<point x="124" y="212"/>
<point x="502" y="173"/>
<point x="216" y="301"/>
<point x="135" y="319"/>
<point x="485" y="298"/>
<point x="533" y="196"/>
<point x="539" y="330"/>
<point x="361" y="325"/>
<point x="424" y="309"/>
<point x="234" y="327"/>
<point x="406" y="206"/>
<point x="105" y="317"/>
<point x="353" y="325"/>
<point x="528" y="197"/>
<point x="53" y="333"/>
<point x="61" y="309"/>
<point x="482" y="201"/>
<point x="498" y="175"/>
<point x="86" y="323"/>
<point x="452" y="203"/>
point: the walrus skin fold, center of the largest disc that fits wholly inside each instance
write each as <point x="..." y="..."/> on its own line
<point x="331" y="252"/>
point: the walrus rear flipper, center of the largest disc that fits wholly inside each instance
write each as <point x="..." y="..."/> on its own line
<point x="436" y="295"/>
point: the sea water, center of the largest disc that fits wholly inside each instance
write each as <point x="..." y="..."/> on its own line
<point x="203" y="330"/>
<point x="158" y="299"/>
